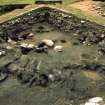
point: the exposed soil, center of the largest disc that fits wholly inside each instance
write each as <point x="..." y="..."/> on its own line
<point x="86" y="6"/>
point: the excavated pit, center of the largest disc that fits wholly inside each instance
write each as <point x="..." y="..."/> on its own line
<point x="71" y="76"/>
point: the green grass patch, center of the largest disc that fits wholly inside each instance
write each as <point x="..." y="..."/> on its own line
<point x="4" y="2"/>
<point x="71" y="1"/>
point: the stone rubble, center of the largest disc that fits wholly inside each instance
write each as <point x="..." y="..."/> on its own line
<point x="25" y="45"/>
<point x="25" y="48"/>
<point x="58" y="19"/>
<point x="95" y="101"/>
<point x="41" y="47"/>
<point x="100" y="8"/>
<point x="9" y="47"/>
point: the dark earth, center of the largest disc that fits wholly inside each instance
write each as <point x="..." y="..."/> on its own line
<point x="8" y="8"/>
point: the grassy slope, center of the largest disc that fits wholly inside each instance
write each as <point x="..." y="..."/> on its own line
<point x="3" y="2"/>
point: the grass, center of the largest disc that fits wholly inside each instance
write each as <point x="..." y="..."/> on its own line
<point x="71" y="1"/>
<point x="4" y="2"/>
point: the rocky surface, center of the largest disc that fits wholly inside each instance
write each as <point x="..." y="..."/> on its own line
<point x="59" y="19"/>
<point x="100" y="8"/>
<point x="95" y="101"/>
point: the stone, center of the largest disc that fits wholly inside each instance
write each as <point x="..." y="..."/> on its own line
<point x="24" y="45"/>
<point x="9" y="47"/>
<point x="55" y="75"/>
<point x="82" y="21"/>
<point x="90" y="103"/>
<point x="102" y="36"/>
<point x="29" y="14"/>
<point x="103" y="14"/>
<point x="48" y="42"/>
<point x="30" y="46"/>
<point x="58" y="48"/>
<point x="2" y="52"/>
<point x="30" y="36"/>
<point x="3" y="76"/>
<point x="96" y="99"/>
<point x="25" y="48"/>
<point x="11" y="41"/>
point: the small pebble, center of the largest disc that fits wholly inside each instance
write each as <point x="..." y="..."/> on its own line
<point x="11" y="41"/>
<point x="51" y="77"/>
<point x="2" y="53"/>
<point x="58" y="48"/>
<point x="30" y="36"/>
<point x="30" y="46"/>
<point x="9" y="47"/>
<point x="96" y="99"/>
<point x="82" y="21"/>
<point x="48" y="42"/>
<point x="24" y="45"/>
<point x="90" y="103"/>
<point x="102" y="36"/>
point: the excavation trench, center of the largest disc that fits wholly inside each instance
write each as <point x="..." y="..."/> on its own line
<point x="43" y="74"/>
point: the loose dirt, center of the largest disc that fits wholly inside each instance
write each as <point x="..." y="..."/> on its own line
<point x="86" y="6"/>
